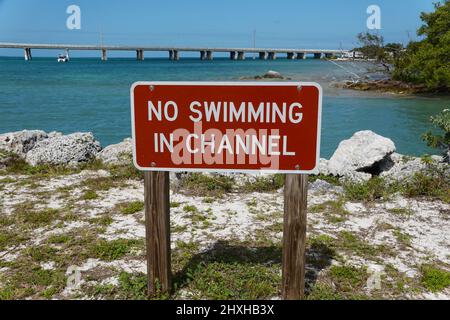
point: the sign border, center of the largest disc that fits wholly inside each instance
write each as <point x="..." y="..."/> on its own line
<point x="315" y="170"/>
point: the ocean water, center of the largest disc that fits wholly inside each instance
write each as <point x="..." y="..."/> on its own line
<point x="91" y="95"/>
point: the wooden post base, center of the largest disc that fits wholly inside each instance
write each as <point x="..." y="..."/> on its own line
<point x="157" y="230"/>
<point x="294" y="236"/>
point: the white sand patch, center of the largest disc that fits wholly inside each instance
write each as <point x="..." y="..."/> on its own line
<point x="124" y="227"/>
<point x="50" y="265"/>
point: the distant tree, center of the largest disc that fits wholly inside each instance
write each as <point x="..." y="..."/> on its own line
<point x="371" y="46"/>
<point x="427" y="61"/>
<point x="440" y="141"/>
<point x="394" y="49"/>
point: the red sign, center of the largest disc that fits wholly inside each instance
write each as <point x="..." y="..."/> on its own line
<point x="226" y="126"/>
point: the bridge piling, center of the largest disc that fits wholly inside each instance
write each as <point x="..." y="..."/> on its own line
<point x="202" y="55"/>
<point x="318" y="55"/>
<point x="301" y="55"/>
<point x="176" y="55"/>
<point x="233" y="55"/>
<point x="241" y="55"/>
<point x="209" y="55"/>
<point x="290" y="55"/>
<point x="262" y="55"/>
<point x="27" y="54"/>
<point x="104" y="56"/>
<point x="140" y="55"/>
<point x="272" y="55"/>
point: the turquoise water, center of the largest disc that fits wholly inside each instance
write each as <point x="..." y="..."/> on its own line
<point x="90" y="95"/>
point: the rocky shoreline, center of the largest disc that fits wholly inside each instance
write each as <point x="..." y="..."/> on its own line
<point x="385" y="85"/>
<point x="361" y="157"/>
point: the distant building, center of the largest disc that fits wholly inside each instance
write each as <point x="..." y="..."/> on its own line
<point x="354" y="54"/>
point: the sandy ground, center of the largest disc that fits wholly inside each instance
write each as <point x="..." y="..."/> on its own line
<point x="412" y="232"/>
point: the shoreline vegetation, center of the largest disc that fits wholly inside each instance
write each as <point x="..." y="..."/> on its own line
<point x="420" y="67"/>
<point x="373" y="215"/>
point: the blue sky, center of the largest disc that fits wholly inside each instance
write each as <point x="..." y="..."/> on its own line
<point x="287" y="23"/>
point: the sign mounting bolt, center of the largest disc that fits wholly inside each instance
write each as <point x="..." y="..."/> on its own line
<point x="153" y="164"/>
<point x="299" y="88"/>
<point x="152" y="88"/>
<point x="297" y="167"/>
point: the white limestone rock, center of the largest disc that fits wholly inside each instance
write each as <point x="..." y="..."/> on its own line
<point x="364" y="154"/>
<point x="323" y="167"/>
<point x="69" y="150"/>
<point x="117" y="154"/>
<point x="21" y="142"/>
<point x="406" y="167"/>
<point x="273" y="75"/>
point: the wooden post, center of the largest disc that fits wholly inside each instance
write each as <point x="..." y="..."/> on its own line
<point x="157" y="230"/>
<point x="294" y="236"/>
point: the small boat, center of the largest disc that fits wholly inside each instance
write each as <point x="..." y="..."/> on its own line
<point x="64" y="57"/>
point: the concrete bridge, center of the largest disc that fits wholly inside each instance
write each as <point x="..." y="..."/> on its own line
<point x="205" y="53"/>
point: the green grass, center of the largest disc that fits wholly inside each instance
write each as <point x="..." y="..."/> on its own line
<point x="103" y="220"/>
<point x="132" y="286"/>
<point x="369" y="191"/>
<point x="333" y="210"/>
<point x="330" y="179"/>
<point x="175" y="204"/>
<point x="59" y="239"/>
<point x="265" y="184"/>
<point x="190" y="209"/>
<point x="125" y="172"/>
<point x="222" y="281"/>
<point x="41" y="253"/>
<point x="7" y="180"/>
<point x="351" y="242"/>
<point x="113" y="250"/>
<point x="17" y="165"/>
<point x="401" y="211"/>
<point x="206" y="185"/>
<point x="9" y="238"/>
<point x="131" y="207"/>
<point x="36" y="218"/>
<point x="322" y="291"/>
<point x="402" y="237"/>
<point x="434" y="185"/>
<point x="30" y="280"/>
<point x="90" y="195"/>
<point x="434" y="278"/>
<point x="348" y="278"/>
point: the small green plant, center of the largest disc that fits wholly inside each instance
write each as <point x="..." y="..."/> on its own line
<point x="132" y="286"/>
<point x="348" y="278"/>
<point x="330" y="179"/>
<point x="59" y="239"/>
<point x="112" y="250"/>
<point x="434" y="184"/>
<point x="38" y="218"/>
<point x="207" y="185"/>
<point x="402" y="237"/>
<point x="90" y="195"/>
<point x="441" y="122"/>
<point x="434" y="278"/>
<point x="175" y="204"/>
<point x="190" y="209"/>
<point x="131" y="207"/>
<point x="369" y="191"/>
<point x="401" y="211"/>
<point x="333" y="210"/>
<point x="265" y="184"/>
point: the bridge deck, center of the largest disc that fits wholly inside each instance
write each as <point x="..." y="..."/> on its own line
<point x="155" y="48"/>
